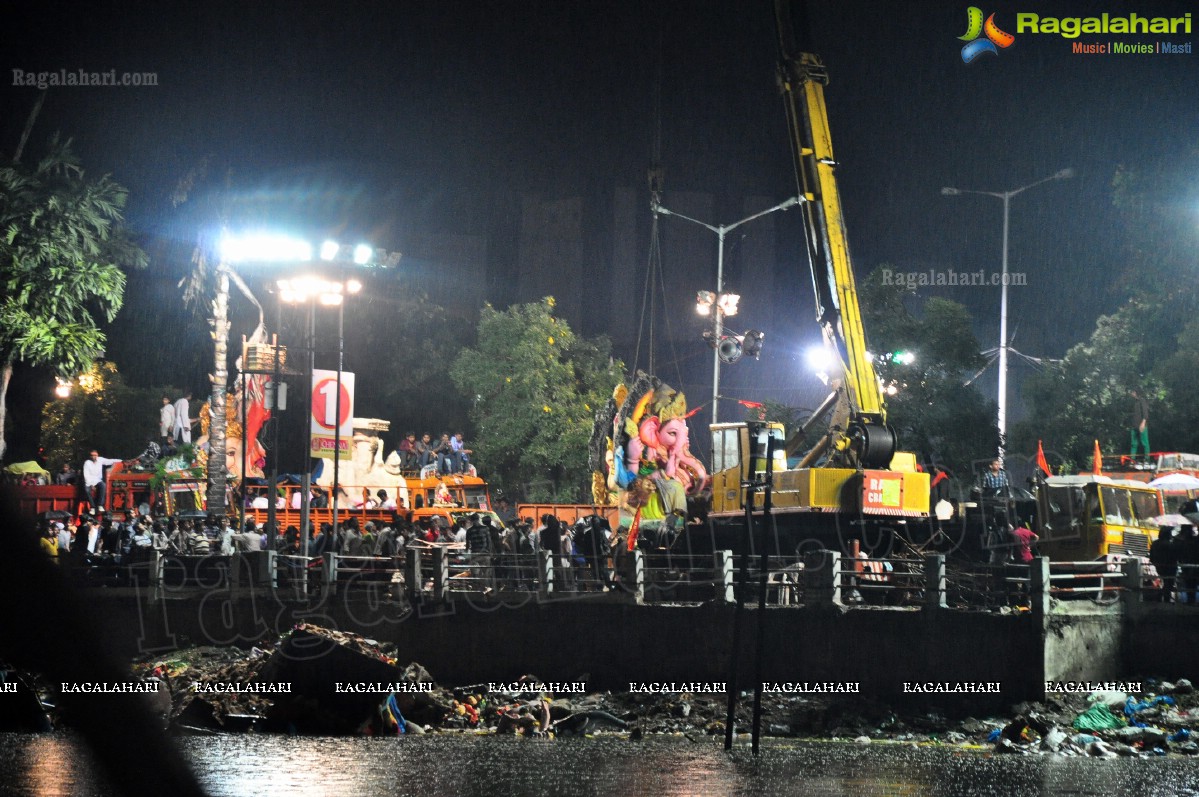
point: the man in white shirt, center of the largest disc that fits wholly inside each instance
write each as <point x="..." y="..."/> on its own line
<point x="183" y="420"/>
<point x="166" y="419"/>
<point x="93" y="479"/>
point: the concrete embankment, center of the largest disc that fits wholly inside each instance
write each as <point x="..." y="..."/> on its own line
<point x="967" y="661"/>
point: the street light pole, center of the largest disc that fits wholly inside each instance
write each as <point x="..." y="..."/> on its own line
<point x="717" y="324"/>
<point x="1006" y="196"/>
<point x="341" y="306"/>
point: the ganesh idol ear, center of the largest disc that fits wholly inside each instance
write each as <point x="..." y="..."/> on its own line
<point x="648" y="431"/>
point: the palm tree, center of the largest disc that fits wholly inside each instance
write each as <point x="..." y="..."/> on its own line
<point x="61" y="252"/>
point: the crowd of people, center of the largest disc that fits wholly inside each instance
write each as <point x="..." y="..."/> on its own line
<point x="449" y="453"/>
<point x="502" y="555"/>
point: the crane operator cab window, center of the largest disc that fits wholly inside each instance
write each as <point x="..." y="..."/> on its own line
<point x="766" y="440"/>
<point x="726" y="453"/>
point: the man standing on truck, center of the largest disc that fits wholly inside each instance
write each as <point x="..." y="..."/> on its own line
<point x="166" y="420"/>
<point x="1139" y="428"/>
<point x="183" y="422"/>
<point x="93" y="479"/>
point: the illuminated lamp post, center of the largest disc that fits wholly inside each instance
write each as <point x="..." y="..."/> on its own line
<point x="723" y="302"/>
<point x="1006" y="196"/>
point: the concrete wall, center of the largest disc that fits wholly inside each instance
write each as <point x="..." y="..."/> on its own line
<point x="611" y="644"/>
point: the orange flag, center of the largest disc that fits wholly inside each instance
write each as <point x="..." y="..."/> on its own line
<point x="634" y="528"/>
<point x="1042" y="463"/>
<point x="1097" y="465"/>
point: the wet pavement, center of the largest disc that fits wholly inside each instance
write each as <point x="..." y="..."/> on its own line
<point x="57" y="765"/>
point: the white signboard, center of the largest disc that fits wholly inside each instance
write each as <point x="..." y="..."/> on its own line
<point x="329" y="419"/>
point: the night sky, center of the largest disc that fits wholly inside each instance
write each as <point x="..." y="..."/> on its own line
<point x="395" y="120"/>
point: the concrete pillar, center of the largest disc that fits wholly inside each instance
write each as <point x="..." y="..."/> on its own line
<point x="236" y="562"/>
<point x="412" y="572"/>
<point x="1038" y="588"/>
<point x="272" y="568"/>
<point x="1133" y="596"/>
<point x="724" y="577"/>
<point x="545" y="573"/>
<point x="638" y="576"/>
<point x="822" y="579"/>
<point x="441" y="574"/>
<point x="934" y="582"/>
<point x="156" y="562"/>
<point x="329" y="571"/>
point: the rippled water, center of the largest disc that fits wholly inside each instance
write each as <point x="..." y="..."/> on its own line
<point x="433" y="766"/>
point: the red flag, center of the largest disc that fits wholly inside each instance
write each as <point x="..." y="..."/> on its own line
<point x="634" y="527"/>
<point x="1042" y="463"/>
<point x="1097" y="465"/>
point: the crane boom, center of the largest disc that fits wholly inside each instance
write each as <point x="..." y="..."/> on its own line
<point x="859" y="435"/>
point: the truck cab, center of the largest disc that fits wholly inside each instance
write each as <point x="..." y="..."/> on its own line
<point x="1088" y="517"/>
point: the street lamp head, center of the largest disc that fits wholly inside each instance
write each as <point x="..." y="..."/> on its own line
<point x="262" y="248"/>
<point x="704" y="301"/>
<point x="947" y="191"/>
<point x="329" y="250"/>
<point x="363" y="254"/>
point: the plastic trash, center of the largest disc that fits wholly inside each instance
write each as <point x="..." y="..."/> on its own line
<point x="1181" y="736"/>
<point x="1097" y="718"/>
<point x="993" y="736"/>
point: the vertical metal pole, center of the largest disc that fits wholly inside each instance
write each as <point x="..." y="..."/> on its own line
<point x="717" y="327"/>
<point x="306" y="482"/>
<point x="764" y="567"/>
<point x="738" y="613"/>
<point x="1003" y="334"/>
<point x="337" y="412"/>
<point x="272" y="515"/>
<point x="244" y="443"/>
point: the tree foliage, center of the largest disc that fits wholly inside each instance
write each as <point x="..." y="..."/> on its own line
<point x="934" y="412"/>
<point x="534" y="387"/>
<point x="1150" y="343"/>
<point x="61" y="251"/>
<point x="103" y="413"/>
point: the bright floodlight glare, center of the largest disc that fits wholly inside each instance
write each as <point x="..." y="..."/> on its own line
<point x="728" y="303"/>
<point x="353" y="286"/>
<point x="63" y="388"/>
<point x="819" y="359"/>
<point x="704" y="301"/>
<point x="329" y="250"/>
<point x="331" y="299"/>
<point x="362" y="254"/>
<point x="263" y="248"/>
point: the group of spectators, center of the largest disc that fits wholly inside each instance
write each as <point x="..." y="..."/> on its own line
<point x="131" y="541"/>
<point x="1175" y="557"/>
<point x="449" y="453"/>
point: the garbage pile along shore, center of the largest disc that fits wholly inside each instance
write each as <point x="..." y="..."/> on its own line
<point x="313" y="680"/>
